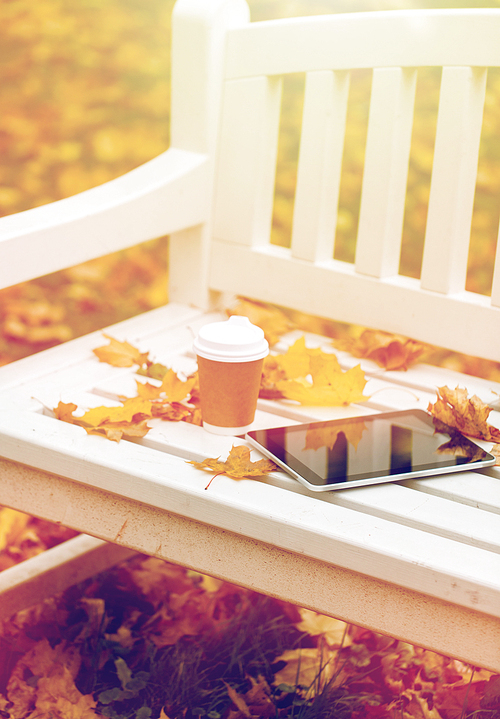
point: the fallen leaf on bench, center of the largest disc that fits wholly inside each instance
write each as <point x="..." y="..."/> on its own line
<point x="114" y="423"/>
<point x="393" y="352"/>
<point x="237" y="466"/>
<point x="121" y="354"/>
<point x="288" y="376"/>
<point x="495" y="451"/>
<point x="467" y="414"/>
<point x="270" y="319"/>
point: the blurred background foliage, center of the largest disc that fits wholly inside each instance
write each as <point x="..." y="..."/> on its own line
<point x="84" y="91"/>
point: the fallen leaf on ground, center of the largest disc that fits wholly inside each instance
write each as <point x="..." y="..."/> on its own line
<point x="121" y="354"/>
<point x="310" y="668"/>
<point x="393" y="352"/>
<point x="467" y="414"/>
<point x="238" y="465"/>
<point x="334" y="631"/>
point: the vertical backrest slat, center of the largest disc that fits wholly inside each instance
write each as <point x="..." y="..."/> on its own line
<point x="386" y="169"/>
<point x="320" y="165"/>
<point x="453" y="182"/>
<point x="247" y="160"/>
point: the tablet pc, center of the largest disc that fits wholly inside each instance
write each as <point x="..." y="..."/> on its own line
<point x="370" y="449"/>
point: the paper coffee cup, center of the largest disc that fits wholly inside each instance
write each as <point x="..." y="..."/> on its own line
<point x="230" y="359"/>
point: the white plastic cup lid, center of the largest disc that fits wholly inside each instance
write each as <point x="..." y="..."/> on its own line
<point x="233" y="340"/>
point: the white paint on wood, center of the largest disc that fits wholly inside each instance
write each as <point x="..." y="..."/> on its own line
<point x="395" y="38"/>
<point x="333" y="289"/>
<point x="453" y="183"/>
<point x="247" y="160"/>
<point x="155" y="199"/>
<point x="320" y="165"/>
<point x="385" y="174"/>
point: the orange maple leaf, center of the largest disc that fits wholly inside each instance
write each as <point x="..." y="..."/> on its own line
<point x="393" y="352"/>
<point x="467" y="414"/>
<point x="238" y="465"/>
<point x="121" y="354"/>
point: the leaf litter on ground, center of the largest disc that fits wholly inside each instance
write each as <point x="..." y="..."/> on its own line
<point x="154" y="640"/>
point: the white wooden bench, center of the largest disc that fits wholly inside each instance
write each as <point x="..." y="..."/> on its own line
<point x="419" y="560"/>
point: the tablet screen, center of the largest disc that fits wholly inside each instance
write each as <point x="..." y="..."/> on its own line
<point x="369" y="449"/>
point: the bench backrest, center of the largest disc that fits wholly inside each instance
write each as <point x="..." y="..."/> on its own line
<point x="227" y="78"/>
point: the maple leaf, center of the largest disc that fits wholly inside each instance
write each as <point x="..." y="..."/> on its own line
<point x="346" y="388"/>
<point x="124" y="413"/>
<point x="64" y="412"/>
<point x="495" y="451"/>
<point x="121" y="354"/>
<point x="393" y="352"/>
<point x="127" y="420"/>
<point x="272" y="372"/>
<point x="467" y="414"/>
<point x="330" y="386"/>
<point x="310" y="668"/>
<point x="238" y="465"/>
<point x="270" y="319"/>
<point x="333" y="630"/>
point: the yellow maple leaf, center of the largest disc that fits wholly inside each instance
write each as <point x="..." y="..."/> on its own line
<point x="238" y="465"/>
<point x="328" y="385"/>
<point x="311" y="668"/>
<point x="121" y="354"/>
<point x="333" y="630"/>
<point x="124" y="413"/>
<point x="346" y="387"/>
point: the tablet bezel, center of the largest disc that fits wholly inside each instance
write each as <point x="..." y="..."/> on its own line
<point x="261" y="440"/>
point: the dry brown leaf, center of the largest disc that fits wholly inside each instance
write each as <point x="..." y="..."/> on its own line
<point x="467" y="414"/>
<point x="121" y="354"/>
<point x="238" y="465"/>
<point x="495" y="451"/>
<point x="393" y="352"/>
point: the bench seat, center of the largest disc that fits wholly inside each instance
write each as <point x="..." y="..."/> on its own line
<point x="417" y="559"/>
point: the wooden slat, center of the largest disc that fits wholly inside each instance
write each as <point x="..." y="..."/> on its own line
<point x="383" y="39"/>
<point x="332" y="289"/>
<point x="453" y="182"/>
<point x="320" y="164"/>
<point x="385" y="172"/>
<point x="247" y="160"/>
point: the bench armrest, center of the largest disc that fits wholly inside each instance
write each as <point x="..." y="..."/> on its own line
<point x="166" y="194"/>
